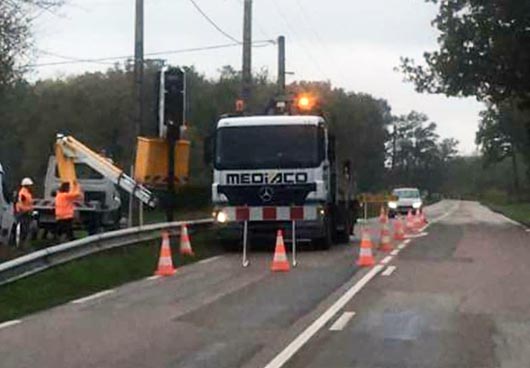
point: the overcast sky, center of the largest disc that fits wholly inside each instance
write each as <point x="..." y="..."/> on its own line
<point x="356" y="44"/>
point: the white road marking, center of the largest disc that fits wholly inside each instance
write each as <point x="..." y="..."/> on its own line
<point x="9" y="323"/>
<point x="94" y="296"/>
<point x="406" y="241"/>
<point x="154" y="277"/>
<point x="342" y="321"/>
<point x="527" y="230"/>
<point x="402" y="246"/>
<point x="414" y="236"/>
<point x="389" y="270"/>
<point x="395" y="252"/>
<point x="304" y="337"/>
<point x="386" y="259"/>
<point x="208" y="260"/>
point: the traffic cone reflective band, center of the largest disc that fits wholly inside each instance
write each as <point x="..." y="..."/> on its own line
<point x="399" y="232"/>
<point x="382" y="215"/>
<point x="410" y="222"/>
<point x="386" y="242"/>
<point x="165" y="262"/>
<point x="417" y="221"/>
<point x="423" y="218"/>
<point x="185" y="244"/>
<point x="366" y="257"/>
<point x="280" y="262"/>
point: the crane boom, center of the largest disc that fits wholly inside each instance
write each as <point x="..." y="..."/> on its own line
<point x="68" y="149"/>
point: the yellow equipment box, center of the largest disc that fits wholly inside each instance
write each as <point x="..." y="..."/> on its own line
<point x="152" y="162"/>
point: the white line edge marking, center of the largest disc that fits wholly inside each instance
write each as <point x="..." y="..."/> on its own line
<point x="93" y="296"/>
<point x="389" y="270"/>
<point x="211" y="259"/>
<point x="386" y="259"/>
<point x="10" y="323"/>
<point x="304" y="337"/>
<point x="406" y="242"/>
<point x="154" y="277"/>
<point x="395" y="252"/>
<point x="402" y="246"/>
<point x="342" y="321"/>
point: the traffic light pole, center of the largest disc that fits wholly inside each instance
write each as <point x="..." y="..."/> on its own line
<point x="172" y="136"/>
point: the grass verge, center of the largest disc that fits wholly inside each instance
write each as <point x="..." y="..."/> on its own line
<point x="519" y="212"/>
<point x="92" y="274"/>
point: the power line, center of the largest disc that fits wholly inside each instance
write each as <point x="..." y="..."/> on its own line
<point x="210" y="20"/>
<point x="294" y="32"/>
<point x="73" y="60"/>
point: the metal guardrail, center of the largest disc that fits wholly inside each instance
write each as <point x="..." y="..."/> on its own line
<point x="46" y="258"/>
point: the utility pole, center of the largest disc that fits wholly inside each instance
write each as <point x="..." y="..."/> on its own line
<point x="247" y="53"/>
<point x="138" y="90"/>
<point x="139" y="66"/>
<point x="281" y="66"/>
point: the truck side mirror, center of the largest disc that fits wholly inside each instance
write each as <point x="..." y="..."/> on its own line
<point x="208" y="149"/>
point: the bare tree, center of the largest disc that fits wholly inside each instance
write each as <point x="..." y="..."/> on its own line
<point x="15" y="35"/>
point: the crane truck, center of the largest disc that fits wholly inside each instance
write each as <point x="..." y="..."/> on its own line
<point x="274" y="169"/>
<point x="100" y="207"/>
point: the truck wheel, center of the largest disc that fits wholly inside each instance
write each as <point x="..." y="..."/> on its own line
<point x="325" y="242"/>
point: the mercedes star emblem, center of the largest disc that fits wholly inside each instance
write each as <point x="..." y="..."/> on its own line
<point x="266" y="194"/>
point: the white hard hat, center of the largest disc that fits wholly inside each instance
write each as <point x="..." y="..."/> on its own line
<point x="26" y="182"/>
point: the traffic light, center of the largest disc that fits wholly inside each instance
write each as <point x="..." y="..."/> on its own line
<point x="171" y="99"/>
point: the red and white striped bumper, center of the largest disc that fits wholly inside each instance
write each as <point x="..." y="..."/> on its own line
<point x="254" y="214"/>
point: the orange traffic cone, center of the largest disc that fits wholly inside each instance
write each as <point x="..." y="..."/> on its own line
<point x="366" y="257"/>
<point x="423" y="218"/>
<point x="386" y="243"/>
<point x="417" y="221"/>
<point x="165" y="262"/>
<point x="399" y="232"/>
<point x="185" y="245"/>
<point x="280" y="262"/>
<point x="410" y="223"/>
<point x="382" y="215"/>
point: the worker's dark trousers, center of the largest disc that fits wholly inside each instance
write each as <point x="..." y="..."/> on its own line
<point x="24" y="220"/>
<point x="65" y="227"/>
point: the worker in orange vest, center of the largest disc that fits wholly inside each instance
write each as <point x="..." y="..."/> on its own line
<point x="65" y="208"/>
<point x="24" y="207"/>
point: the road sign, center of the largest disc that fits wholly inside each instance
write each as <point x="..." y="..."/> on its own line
<point x="376" y="198"/>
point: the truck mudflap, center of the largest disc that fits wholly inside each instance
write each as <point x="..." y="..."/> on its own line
<point x="282" y="213"/>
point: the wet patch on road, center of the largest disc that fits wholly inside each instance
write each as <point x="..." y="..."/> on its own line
<point x="406" y="330"/>
<point x="439" y="245"/>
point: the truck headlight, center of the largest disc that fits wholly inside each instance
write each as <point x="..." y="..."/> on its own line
<point x="221" y="217"/>
<point x="392" y="205"/>
<point x="416" y="205"/>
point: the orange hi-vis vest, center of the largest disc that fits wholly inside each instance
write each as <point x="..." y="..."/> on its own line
<point x="64" y="204"/>
<point x="24" y="201"/>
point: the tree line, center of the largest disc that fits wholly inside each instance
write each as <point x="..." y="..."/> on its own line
<point x="483" y="52"/>
<point x="97" y="108"/>
<point x="385" y="150"/>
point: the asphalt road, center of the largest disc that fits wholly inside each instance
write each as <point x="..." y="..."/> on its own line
<point x="457" y="298"/>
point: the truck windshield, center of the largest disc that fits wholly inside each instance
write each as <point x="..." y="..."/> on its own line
<point x="269" y="147"/>
<point x="407" y="193"/>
